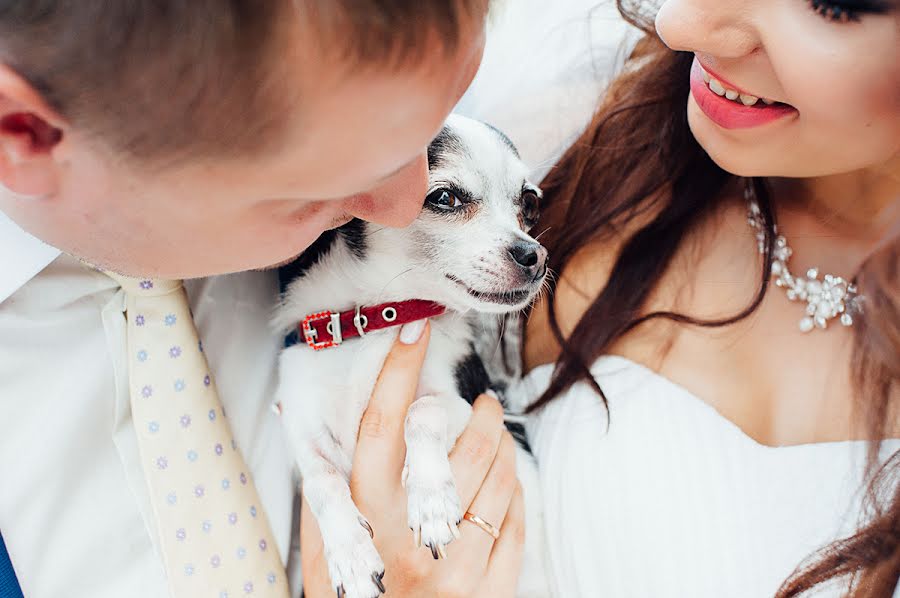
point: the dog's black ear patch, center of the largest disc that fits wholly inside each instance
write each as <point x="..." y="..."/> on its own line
<point x="471" y="377"/>
<point x="353" y="234"/>
<point x="446" y="141"/>
<point x="472" y="380"/>
<point x="290" y="272"/>
<point x="519" y="434"/>
<point x="506" y="140"/>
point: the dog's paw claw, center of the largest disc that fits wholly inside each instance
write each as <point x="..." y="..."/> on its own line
<point x="438" y="551"/>
<point x="433" y="512"/>
<point x="377" y="580"/>
<point x="367" y="526"/>
<point x="354" y="564"/>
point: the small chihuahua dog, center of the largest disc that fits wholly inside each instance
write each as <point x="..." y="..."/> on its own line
<point x="468" y="253"/>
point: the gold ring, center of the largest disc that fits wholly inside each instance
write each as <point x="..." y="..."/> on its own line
<point x="484" y="525"/>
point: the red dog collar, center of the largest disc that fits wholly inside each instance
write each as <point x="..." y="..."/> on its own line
<point x="328" y="329"/>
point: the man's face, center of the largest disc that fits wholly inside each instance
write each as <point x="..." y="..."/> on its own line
<point x="354" y="146"/>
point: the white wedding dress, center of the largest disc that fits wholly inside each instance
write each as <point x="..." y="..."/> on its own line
<point x="673" y="500"/>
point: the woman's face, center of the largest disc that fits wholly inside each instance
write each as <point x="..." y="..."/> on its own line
<point x="825" y="78"/>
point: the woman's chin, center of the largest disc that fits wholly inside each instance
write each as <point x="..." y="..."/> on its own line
<point x="743" y="158"/>
<point x="725" y="152"/>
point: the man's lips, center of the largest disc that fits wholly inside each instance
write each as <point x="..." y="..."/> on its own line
<point x="339" y="221"/>
<point x="319" y="214"/>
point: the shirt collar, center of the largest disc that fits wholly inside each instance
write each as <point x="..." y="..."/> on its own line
<point x="23" y="256"/>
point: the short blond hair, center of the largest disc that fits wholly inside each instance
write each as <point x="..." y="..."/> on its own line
<point x="155" y="77"/>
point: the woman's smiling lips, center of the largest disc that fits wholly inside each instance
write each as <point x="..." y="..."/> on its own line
<point x="731" y="108"/>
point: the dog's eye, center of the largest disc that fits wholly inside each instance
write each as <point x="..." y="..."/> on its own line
<point x="443" y="199"/>
<point x="530" y="208"/>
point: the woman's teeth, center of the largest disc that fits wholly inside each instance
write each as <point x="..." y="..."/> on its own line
<point x="720" y="90"/>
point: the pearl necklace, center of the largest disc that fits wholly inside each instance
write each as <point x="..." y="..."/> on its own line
<point x="826" y="299"/>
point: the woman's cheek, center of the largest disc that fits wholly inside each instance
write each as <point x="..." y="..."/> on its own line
<point x="844" y="91"/>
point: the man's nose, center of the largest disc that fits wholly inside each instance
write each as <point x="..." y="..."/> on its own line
<point x="718" y="28"/>
<point x="398" y="200"/>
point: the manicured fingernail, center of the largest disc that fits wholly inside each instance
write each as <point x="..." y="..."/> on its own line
<point x="411" y="333"/>
<point x="489" y="392"/>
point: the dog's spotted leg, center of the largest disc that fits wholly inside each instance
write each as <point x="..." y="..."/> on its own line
<point x="432" y="425"/>
<point x="354" y="564"/>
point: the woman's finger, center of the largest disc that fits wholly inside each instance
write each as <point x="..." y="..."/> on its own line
<point x="476" y="448"/>
<point x="491" y="504"/>
<point x="312" y="555"/>
<point x="505" y="562"/>
<point x="381" y="449"/>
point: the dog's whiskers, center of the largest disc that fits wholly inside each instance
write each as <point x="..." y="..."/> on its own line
<point x="392" y="280"/>
<point x="377" y="230"/>
<point x="541" y="234"/>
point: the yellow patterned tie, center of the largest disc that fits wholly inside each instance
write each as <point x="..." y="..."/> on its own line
<point x="214" y="536"/>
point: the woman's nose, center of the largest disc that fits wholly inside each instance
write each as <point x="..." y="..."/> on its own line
<point x="718" y="28"/>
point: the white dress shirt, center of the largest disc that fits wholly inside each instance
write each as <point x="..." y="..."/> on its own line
<point x="74" y="508"/>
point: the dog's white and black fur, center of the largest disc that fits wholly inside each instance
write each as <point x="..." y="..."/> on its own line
<point x="469" y="249"/>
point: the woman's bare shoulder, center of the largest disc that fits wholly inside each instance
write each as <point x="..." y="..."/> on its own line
<point x="587" y="273"/>
<point x="578" y="285"/>
<point x="584" y="277"/>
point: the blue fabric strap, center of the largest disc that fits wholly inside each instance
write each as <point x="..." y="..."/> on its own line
<point x="292" y="339"/>
<point x="9" y="585"/>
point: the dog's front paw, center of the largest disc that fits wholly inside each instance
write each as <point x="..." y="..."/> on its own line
<point x="354" y="564"/>
<point x="433" y="509"/>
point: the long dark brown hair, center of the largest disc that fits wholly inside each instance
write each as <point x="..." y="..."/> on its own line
<point x="637" y="165"/>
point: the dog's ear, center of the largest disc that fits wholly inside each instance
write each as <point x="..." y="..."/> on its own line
<point x="529" y="207"/>
<point x="355" y="235"/>
<point x="446" y="141"/>
<point x="506" y="140"/>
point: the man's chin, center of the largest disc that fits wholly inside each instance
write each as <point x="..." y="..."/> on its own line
<point x="336" y="222"/>
<point x="278" y="265"/>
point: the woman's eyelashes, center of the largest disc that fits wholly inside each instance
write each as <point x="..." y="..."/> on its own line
<point x="846" y="11"/>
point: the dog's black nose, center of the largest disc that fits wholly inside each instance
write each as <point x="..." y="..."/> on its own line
<point x="531" y="257"/>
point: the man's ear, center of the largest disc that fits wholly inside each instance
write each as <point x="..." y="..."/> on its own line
<point x="29" y="132"/>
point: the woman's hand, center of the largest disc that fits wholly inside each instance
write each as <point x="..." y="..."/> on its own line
<point x="483" y="464"/>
